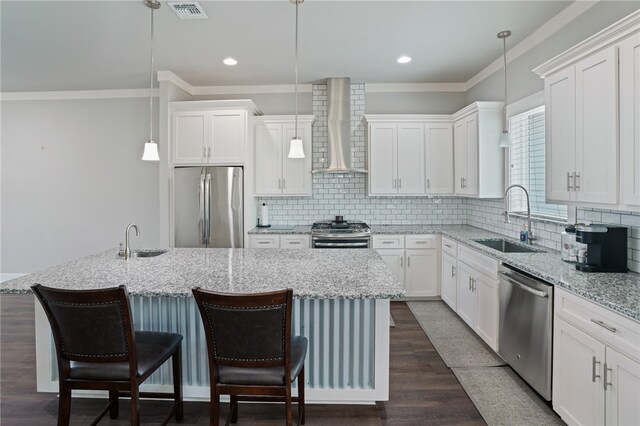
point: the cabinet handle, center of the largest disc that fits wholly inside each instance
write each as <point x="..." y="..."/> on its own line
<point x="401" y="261"/>
<point x="460" y="182"/>
<point x="448" y="245"/>
<point x="603" y="325"/>
<point x="279" y="184"/>
<point x="408" y="261"/>
<point x="428" y="183"/>
<point x="464" y="182"/>
<point x="387" y="242"/>
<point x="473" y="285"/>
<point x="399" y="183"/>
<point x="209" y="152"/>
<point x="293" y="242"/>
<point x="264" y="242"/>
<point x="453" y="271"/>
<point x="606" y="370"/>
<point x="594" y="376"/>
<point x="469" y="283"/>
<point x="569" y="186"/>
<point x="284" y="184"/>
<point x="204" y="151"/>
<point x="421" y="242"/>
<point x="576" y="176"/>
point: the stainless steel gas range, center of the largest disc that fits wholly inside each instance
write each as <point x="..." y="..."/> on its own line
<point x="340" y="234"/>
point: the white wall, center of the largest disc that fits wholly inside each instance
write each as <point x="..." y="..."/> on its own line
<point x="72" y="180"/>
<point x="414" y="102"/>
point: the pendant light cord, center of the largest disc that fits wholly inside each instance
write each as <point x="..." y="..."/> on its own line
<point x="296" y="71"/>
<point x="504" y="48"/>
<point x="151" y="84"/>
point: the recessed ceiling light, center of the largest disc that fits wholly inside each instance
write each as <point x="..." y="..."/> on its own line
<point x="230" y="61"/>
<point x="404" y="59"/>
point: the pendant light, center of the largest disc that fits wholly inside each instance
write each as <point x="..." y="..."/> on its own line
<point x="150" y="147"/>
<point x="296" y="149"/>
<point x="505" y="137"/>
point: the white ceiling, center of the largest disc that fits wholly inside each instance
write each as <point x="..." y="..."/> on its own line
<point x="85" y="45"/>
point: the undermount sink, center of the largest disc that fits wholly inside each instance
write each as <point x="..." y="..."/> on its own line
<point x="144" y="253"/>
<point x="507" y="246"/>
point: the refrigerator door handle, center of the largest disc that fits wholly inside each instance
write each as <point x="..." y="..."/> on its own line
<point x="207" y="208"/>
<point x="202" y="219"/>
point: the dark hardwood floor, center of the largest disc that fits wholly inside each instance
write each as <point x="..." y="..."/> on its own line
<point x="423" y="391"/>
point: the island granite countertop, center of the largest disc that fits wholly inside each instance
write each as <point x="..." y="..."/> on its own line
<point x="312" y="274"/>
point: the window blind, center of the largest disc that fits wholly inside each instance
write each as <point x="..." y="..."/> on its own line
<point x="526" y="165"/>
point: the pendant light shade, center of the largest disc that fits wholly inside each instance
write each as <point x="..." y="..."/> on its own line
<point x="150" y="151"/>
<point x="505" y="137"/>
<point x="150" y="147"/>
<point x="296" y="149"/>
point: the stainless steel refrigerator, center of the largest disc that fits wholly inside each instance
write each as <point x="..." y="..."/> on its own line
<point x="208" y="207"/>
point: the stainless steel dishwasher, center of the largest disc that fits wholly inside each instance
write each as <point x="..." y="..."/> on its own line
<point x="526" y="325"/>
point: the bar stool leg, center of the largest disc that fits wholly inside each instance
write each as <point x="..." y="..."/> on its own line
<point x="177" y="383"/>
<point x="214" y="406"/>
<point x="234" y="409"/>
<point x="301" y="407"/>
<point x="64" y="406"/>
<point x="287" y="398"/>
<point x="114" y="407"/>
<point x="135" y="405"/>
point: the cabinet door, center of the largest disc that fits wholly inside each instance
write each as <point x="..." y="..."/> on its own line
<point x="486" y="291"/>
<point x="395" y="261"/>
<point x="622" y="405"/>
<point x="439" y="158"/>
<point x="449" y="281"/>
<point x="228" y="137"/>
<point x="268" y="159"/>
<point x="596" y="169"/>
<point x="422" y="273"/>
<point x="190" y="135"/>
<point x="578" y="362"/>
<point x="466" y="296"/>
<point x="296" y="172"/>
<point x="560" y="143"/>
<point x="410" y="159"/>
<point x="382" y="155"/>
<point x="459" y="155"/>
<point x="295" y="241"/>
<point x="630" y="120"/>
<point x="471" y="138"/>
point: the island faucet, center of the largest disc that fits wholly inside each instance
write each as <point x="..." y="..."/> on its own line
<point x="506" y="210"/>
<point x="127" y="250"/>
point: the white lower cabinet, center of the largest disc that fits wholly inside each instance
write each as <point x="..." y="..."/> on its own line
<point x="449" y="280"/>
<point x="595" y="379"/>
<point x="290" y="241"/>
<point x="417" y="269"/>
<point x="477" y="303"/>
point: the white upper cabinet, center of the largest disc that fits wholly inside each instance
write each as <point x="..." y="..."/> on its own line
<point x="478" y="158"/>
<point x="410" y="155"/>
<point x="210" y="132"/>
<point x="275" y="173"/>
<point x="592" y="119"/>
<point x="629" y="56"/>
<point x="439" y="158"/>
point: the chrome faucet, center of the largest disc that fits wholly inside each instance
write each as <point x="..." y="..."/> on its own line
<point x="506" y="210"/>
<point x="127" y="250"/>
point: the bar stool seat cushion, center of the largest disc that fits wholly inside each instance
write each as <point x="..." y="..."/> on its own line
<point x="266" y="376"/>
<point x="153" y="349"/>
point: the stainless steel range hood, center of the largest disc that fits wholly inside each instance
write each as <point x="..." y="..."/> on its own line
<point x="339" y="127"/>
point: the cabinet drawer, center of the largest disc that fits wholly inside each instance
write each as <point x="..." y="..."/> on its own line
<point x="450" y="247"/>
<point x="611" y="328"/>
<point x="294" y="241"/>
<point x="388" y="241"/>
<point x="421" y="241"/>
<point x="265" y="241"/>
<point x="478" y="261"/>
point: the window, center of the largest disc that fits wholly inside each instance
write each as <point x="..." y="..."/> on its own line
<point x="526" y="165"/>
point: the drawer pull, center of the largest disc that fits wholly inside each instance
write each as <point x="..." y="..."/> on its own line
<point x="603" y="325"/>
<point x="448" y="245"/>
<point x="607" y="383"/>
<point x="293" y="242"/>
<point x="388" y="242"/>
<point x="264" y="242"/>
<point x="594" y="376"/>
<point x="422" y="242"/>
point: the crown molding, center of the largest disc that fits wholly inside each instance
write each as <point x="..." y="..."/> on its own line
<point x="413" y="87"/>
<point x="476" y="106"/>
<point x="284" y="118"/>
<point x="76" y="94"/>
<point x="254" y="89"/>
<point x="623" y="28"/>
<point x="408" y="118"/>
<point x="545" y="31"/>
<point x="177" y="81"/>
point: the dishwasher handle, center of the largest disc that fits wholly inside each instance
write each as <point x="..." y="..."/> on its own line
<point x="522" y="286"/>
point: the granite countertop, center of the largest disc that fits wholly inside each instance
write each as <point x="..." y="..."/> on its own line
<point x="312" y="274"/>
<point x="281" y="230"/>
<point x="616" y="291"/>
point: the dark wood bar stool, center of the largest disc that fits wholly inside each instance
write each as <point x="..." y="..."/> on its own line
<point x="97" y="348"/>
<point x="252" y="355"/>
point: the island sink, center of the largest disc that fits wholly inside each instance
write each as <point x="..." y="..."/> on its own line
<point x="144" y="253"/>
<point x="507" y="246"/>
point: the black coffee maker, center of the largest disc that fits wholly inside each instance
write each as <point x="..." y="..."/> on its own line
<point x="606" y="248"/>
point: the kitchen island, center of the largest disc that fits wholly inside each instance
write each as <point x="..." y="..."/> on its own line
<point x="341" y="305"/>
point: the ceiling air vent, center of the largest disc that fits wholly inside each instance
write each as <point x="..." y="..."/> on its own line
<point x="187" y="10"/>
